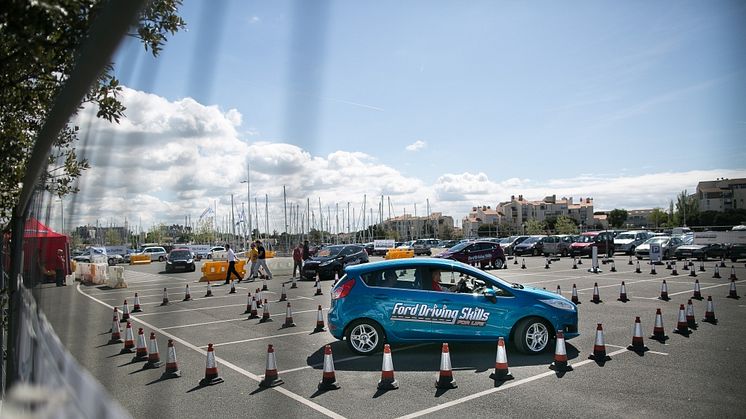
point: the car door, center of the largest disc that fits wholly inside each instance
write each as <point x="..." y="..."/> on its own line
<point x="404" y="305"/>
<point x="468" y="315"/>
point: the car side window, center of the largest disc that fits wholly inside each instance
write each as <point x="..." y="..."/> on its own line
<point x="395" y="278"/>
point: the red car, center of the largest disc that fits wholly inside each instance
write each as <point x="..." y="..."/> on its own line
<point x="603" y="240"/>
<point x="482" y="253"/>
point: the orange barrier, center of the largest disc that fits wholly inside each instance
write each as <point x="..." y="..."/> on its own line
<point x="139" y="259"/>
<point x="214" y="270"/>
<point x="399" y="254"/>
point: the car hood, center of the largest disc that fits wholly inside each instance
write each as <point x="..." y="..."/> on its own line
<point x="691" y="247"/>
<point x="623" y="241"/>
<point x="644" y="246"/>
<point x="320" y="259"/>
<point x="580" y="244"/>
<point x="543" y="294"/>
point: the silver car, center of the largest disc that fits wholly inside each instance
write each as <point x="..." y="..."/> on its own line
<point x="628" y="241"/>
<point x="668" y="246"/>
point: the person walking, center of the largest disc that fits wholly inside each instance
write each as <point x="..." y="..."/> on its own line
<point x="59" y="268"/>
<point x="261" y="259"/>
<point x="253" y="256"/>
<point x="297" y="259"/>
<point x="231" y="265"/>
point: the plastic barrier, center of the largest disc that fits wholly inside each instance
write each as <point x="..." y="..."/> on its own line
<point x="268" y="254"/>
<point x="214" y="270"/>
<point x="399" y="253"/>
<point x="92" y="273"/>
<point x="116" y="277"/>
<point x="140" y="259"/>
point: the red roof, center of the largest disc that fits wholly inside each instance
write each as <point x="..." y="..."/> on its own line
<point x="34" y="228"/>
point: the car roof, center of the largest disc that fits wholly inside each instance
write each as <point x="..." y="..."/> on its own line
<point x="398" y="263"/>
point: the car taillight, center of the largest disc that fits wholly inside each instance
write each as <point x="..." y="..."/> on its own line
<point x="342" y="290"/>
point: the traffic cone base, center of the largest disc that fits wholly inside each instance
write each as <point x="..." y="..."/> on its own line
<point x="209" y="381"/>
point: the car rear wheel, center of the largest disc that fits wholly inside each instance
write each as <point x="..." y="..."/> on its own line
<point x="161" y="259"/>
<point x="364" y="337"/>
<point x="497" y="263"/>
<point x="532" y="336"/>
<point x="535" y="252"/>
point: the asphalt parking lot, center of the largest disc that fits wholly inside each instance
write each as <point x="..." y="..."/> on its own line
<point x="695" y="376"/>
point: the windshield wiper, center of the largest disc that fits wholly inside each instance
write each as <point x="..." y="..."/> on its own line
<point x="517" y="285"/>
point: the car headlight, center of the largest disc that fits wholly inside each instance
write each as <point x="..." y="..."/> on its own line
<point x="190" y="260"/>
<point x="168" y="262"/>
<point x="560" y="304"/>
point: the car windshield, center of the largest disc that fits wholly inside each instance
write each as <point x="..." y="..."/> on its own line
<point x="459" y="247"/>
<point x="657" y="240"/>
<point x="585" y="239"/>
<point x="330" y="251"/>
<point x="180" y="254"/>
<point x="626" y="236"/>
<point x="532" y="239"/>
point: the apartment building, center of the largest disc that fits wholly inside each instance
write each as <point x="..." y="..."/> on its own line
<point x="410" y="227"/>
<point x="721" y="194"/>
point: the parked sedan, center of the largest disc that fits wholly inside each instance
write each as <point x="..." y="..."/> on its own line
<point x="440" y="300"/>
<point x="332" y="260"/>
<point x="627" y="241"/>
<point x="180" y="259"/>
<point x="700" y="251"/>
<point x="482" y="253"/>
<point x="668" y="246"/>
<point x="531" y="246"/>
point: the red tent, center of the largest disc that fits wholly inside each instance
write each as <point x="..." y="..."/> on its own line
<point x="39" y="241"/>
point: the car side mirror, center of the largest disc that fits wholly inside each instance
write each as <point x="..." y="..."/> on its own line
<point x="490" y="295"/>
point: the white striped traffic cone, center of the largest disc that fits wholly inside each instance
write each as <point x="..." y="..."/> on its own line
<point x="154" y="358"/>
<point x="637" y="268"/>
<point x="283" y="295"/>
<point x="211" y="369"/>
<point x="294" y="284"/>
<point x="697" y="294"/>
<point x="258" y="296"/>
<point x="125" y="312"/>
<point x="599" y="347"/>
<point x="630" y="260"/>
<point x="613" y="267"/>
<point x="141" y="351"/>
<point x="116" y="336"/>
<point x="136" y="308"/>
<point x="546" y="263"/>
<point x="732" y="293"/>
<point x="187" y="295"/>
<point x="445" y="375"/>
<point x="652" y="268"/>
<point x="659" y="332"/>
<point x="288" y="318"/>
<point x="165" y="297"/>
<point x="574" y="296"/>
<point x="638" y="344"/>
<point x="208" y="292"/>
<point x="702" y="266"/>
<point x="623" y="293"/>
<point x="502" y="373"/>
<point x="559" y="290"/>
<point x="387" y="381"/>
<point x="523" y="263"/>
<point x="560" y="354"/>
<point x="172" y="368"/>
<point x="664" y="291"/>
<point x="271" y="379"/>
<point x="596" y="296"/>
<point x="716" y="275"/>
<point x="264" y="285"/>
<point x="682" y="327"/>
<point x="129" y="340"/>
<point x="319" y="321"/>
<point x="116" y="316"/>
<point x="265" y="314"/>
<point x="318" y="288"/>
<point x="692" y="272"/>
<point x="574" y="263"/>
<point x="233" y="287"/>
<point x="328" y="380"/>
<point x="690" y="320"/>
<point x="674" y="272"/>
<point x="248" y="303"/>
<point x="253" y="313"/>
<point x="710" y="312"/>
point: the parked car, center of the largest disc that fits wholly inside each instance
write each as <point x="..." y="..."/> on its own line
<point x="735" y="252"/>
<point x="627" y="241"/>
<point x="98" y="255"/>
<point x="477" y="252"/>
<point x="447" y="244"/>
<point x="156" y="253"/>
<point x="531" y="246"/>
<point x="215" y="249"/>
<point x="603" y="240"/>
<point x="510" y="244"/>
<point x="700" y="251"/>
<point x="420" y="247"/>
<point x="180" y="259"/>
<point x="557" y="244"/>
<point x="668" y="246"/>
<point x="332" y="260"/>
<point x="438" y="300"/>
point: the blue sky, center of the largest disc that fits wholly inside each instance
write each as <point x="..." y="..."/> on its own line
<point x="525" y="93"/>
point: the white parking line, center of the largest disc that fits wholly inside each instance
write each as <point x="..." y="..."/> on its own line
<point x="496" y="389"/>
<point x="281" y="390"/>
<point x="211" y="307"/>
<point x="647" y="352"/>
<point x="231" y="320"/>
<point x="702" y="288"/>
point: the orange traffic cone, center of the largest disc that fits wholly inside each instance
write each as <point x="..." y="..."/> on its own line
<point x="692" y="272"/>
<point x="613" y="267"/>
<point x="154" y="358"/>
<point x="264" y="285"/>
<point x="208" y="293"/>
<point x="690" y="320"/>
<point x="387" y="381"/>
<point x="697" y="295"/>
<point x="248" y="303"/>
<point x="141" y="351"/>
<point x="116" y="336"/>
<point x="559" y="290"/>
<point x="271" y="378"/>
<point x="560" y="354"/>
<point x="172" y="369"/>
<point x="596" y="296"/>
<point x="187" y="295"/>
<point x="265" y="314"/>
<point x="136" y="308"/>
<point x="318" y="288"/>
<point x="574" y="297"/>
<point x="732" y="293"/>
<point x="258" y="294"/>
<point x="116" y="317"/>
<point x="253" y="314"/>
<point x="637" y="268"/>
<point x="523" y="264"/>
<point x="288" y="318"/>
<point x="733" y="273"/>
<point x="445" y="376"/>
<point x="501" y="363"/>
<point x="283" y="295"/>
<point x="328" y="380"/>
<point x="652" y="268"/>
<point x="674" y="272"/>
<point x="682" y="327"/>
<point x="623" y="293"/>
<point x="664" y="291"/>
<point x="638" y="345"/>
<point x="211" y="369"/>
<point x="233" y="287"/>
<point x="630" y="260"/>
<point x="294" y="285"/>
<point x="716" y="275"/>
<point x="129" y="340"/>
<point x="710" y="312"/>
<point x="165" y="297"/>
<point x="599" y="347"/>
<point x="319" y="321"/>
<point x="659" y="332"/>
<point x="125" y="312"/>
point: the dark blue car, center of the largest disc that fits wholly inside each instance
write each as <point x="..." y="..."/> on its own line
<point x="440" y="300"/>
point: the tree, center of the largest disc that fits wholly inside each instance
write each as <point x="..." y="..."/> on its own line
<point x="113" y="237"/>
<point x="617" y="217"/>
<point x="687" y="208"/>
<point x="535" y="227"/>
<point x="566" y="225"/>
<point x="39" y="43"/>
<point x="658" y="217"/>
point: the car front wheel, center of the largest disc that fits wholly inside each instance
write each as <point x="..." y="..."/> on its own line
<point x="161" y="259"/>
<point x="497" y="263"/>
<point x="364" y="337"/>
<point x="531" y="336"/>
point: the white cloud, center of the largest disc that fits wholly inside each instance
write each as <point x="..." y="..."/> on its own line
<point x="416" y="146"/>
<point x="254" y="19"/>
<point x="171" y="159"/>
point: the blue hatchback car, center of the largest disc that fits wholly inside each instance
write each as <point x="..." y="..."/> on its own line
<point x="441" y="300"/>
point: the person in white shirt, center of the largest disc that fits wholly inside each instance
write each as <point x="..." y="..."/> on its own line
<point x="231" y="265"/>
